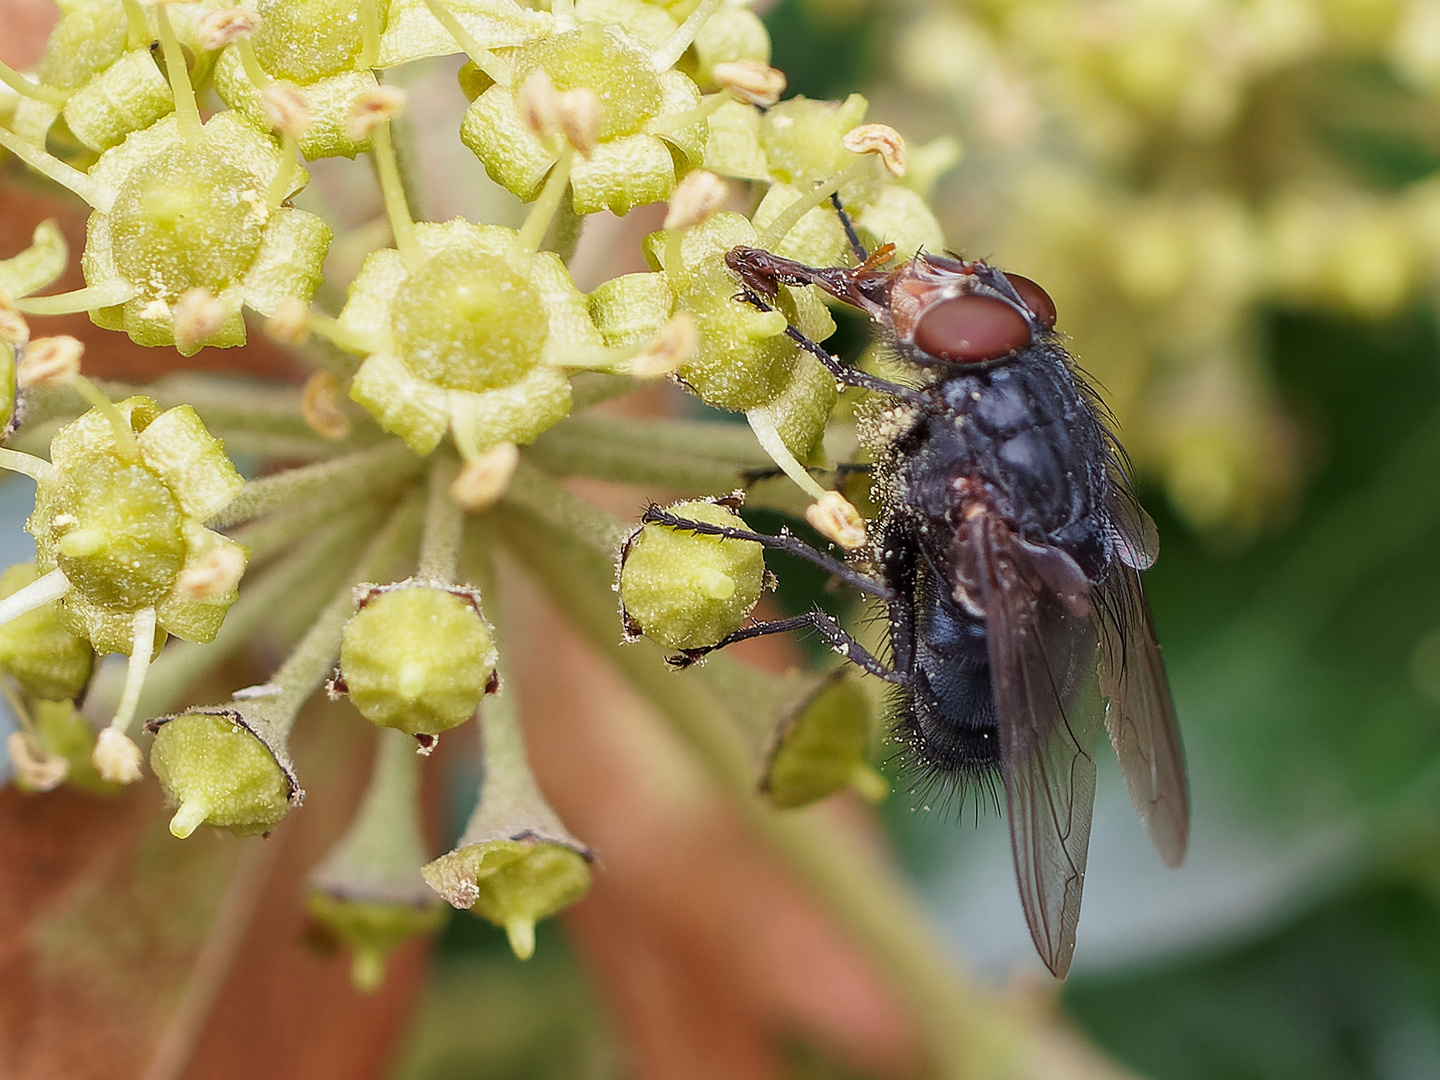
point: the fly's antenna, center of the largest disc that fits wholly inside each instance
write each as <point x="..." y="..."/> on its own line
<point x="861" y="255"/>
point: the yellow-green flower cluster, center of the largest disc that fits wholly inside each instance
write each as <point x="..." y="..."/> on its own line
<point x="1164" y="169"/>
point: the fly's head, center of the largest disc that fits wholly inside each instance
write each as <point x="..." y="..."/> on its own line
<point x="946" y="311"/>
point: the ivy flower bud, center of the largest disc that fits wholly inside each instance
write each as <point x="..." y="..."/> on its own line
<point x="516" y="863"/>
<point x="123" y="518"/>
<point x="820" y="746"/>
<point x="473" y="338"/>
<point x="368" y="888"/>
<point x="628" y="166"/>
<point x="416" y="657"/>
<point x="219" y="768"/>
<point x="198" y="213"/>
<point x="37" y="651"/>
<point x="685" y="590"/>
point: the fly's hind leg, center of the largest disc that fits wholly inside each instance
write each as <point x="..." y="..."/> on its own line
<point x="824" y="624"/>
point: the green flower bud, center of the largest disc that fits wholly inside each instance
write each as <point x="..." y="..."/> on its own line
<point x="471" y="339"/>
<point x="37" y="650"/>
<point x="630" y="166"/>
<point x="368" y="888"/>
<point x="417" y="658"/>
<point x="516" y="862"/>
<point x="217" y="767"/>
<point x="198" y="214"/>
<point x="125" y="521"/>
<point x="821" y="745"/>
<point x="688" y="591"/>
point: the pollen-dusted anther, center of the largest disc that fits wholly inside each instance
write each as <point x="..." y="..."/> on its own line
<point x="213" y="575"/>
<point x="676" y="343"/>
<point x="218" y="29"/>
<point x="484" y="478"/>
<point x="834" y="518"/>
<point x="49" y="361"/>
<point x="286" y="109"/>
<point x="539" y="104"/>
<point x="116" y="757"/>
<point x="35" y="767"/>
<point x="321" y="405"/>
<point x="14" y="330"/>
<point x="751" y="81"/>
<point x="199" y="314"/>
<point x="373" y="108"/>
<point x="289" y="323"/>
<point x="696" y="197"/>
<point x="580" y="119"/>
<point x="879" y="139"/>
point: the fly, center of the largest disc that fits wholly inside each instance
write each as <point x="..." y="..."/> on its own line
<point x="1008" y="552"/>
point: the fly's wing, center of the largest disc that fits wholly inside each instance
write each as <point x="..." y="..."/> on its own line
<point x="1042" y="643"/>
<point x="1140" y="715"/>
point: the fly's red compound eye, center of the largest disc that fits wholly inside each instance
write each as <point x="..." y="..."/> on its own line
<point x="1036" y="299"/>
<point x="970" y="329"/>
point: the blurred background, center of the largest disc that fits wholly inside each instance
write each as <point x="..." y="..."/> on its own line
<point x="1236" y="207"/>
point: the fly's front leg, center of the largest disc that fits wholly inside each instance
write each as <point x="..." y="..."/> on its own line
<point x="816" y="620"/>
<point x="785" y="542"/>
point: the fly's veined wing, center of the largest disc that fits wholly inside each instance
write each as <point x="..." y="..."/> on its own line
<point x="1136" y="539"/>
<point x="1042" y="650"/>
<point x="1140" y="715"/>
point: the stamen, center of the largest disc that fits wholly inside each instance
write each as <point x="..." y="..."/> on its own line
<point x="25" y="88"/>
<point x="49" y="165"/>
<point x="762" y="423"/>
<point x="87" y="299"/>
<point x="369" y="34"/>
<point x="187" y="113"/>
<point x="141" y="650"/>
<point x="43" y="590"/>
<point x="126" y="447"/>
<point x="666" y="56"/>
<point x="497" y="69"/>
<point x="543" y="210"/>
<point x="791" y="215"/>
